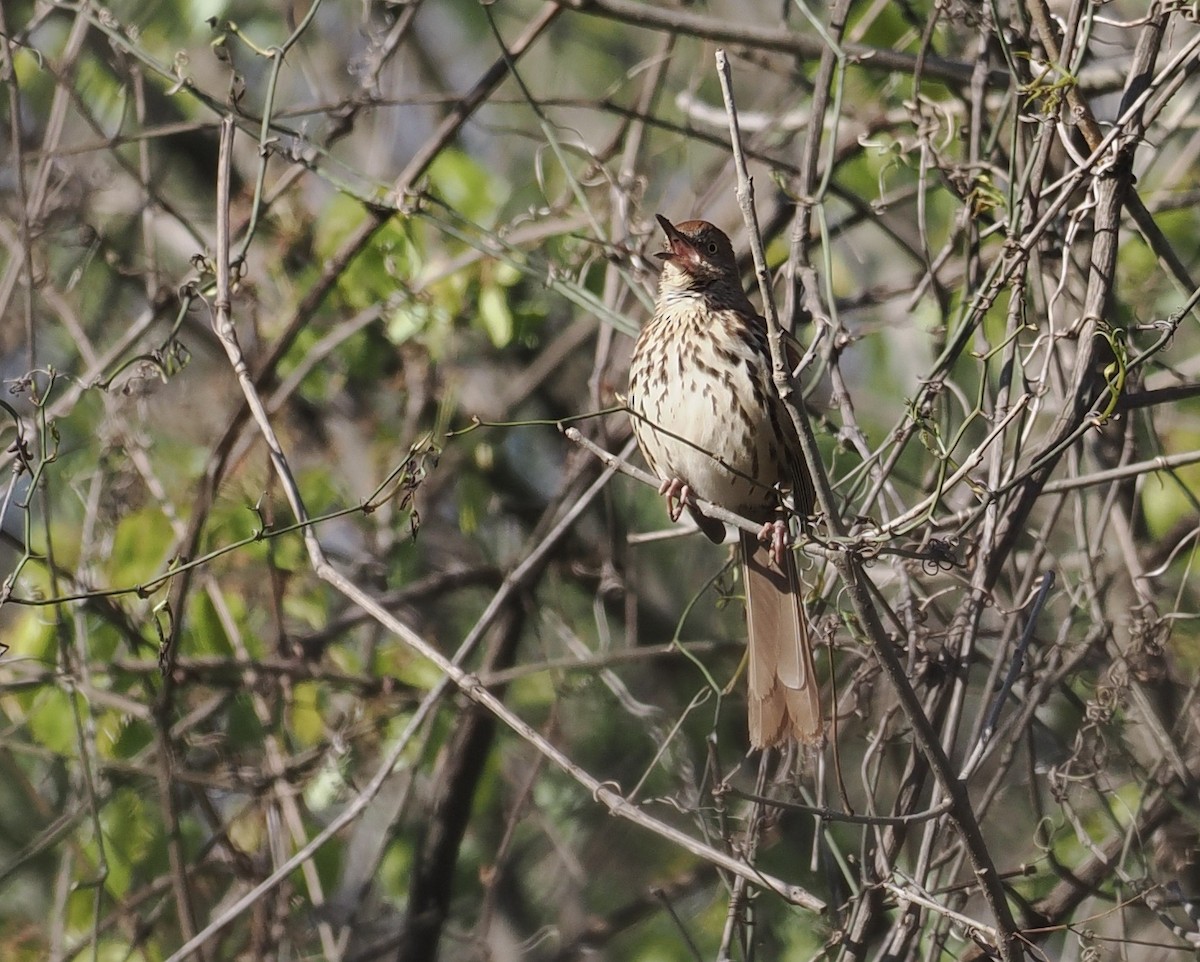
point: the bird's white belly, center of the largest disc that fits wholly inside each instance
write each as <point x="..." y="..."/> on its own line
<point x="700" y="433"/>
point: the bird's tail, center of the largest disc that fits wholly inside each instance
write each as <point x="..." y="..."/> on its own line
<point x="784" y="697"/>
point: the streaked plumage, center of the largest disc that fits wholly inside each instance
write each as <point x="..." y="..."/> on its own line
<point x="705" y="413"/>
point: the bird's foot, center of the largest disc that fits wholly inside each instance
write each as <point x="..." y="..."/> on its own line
<point x="678" y="494"/>
<point x="775" y="534"/>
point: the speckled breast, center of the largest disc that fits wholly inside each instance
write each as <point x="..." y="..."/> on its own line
<point x="701" y="407"/>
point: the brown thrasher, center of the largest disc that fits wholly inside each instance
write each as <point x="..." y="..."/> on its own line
<point x="710" y="424"/>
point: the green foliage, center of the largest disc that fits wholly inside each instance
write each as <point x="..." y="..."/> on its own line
<point x="127" y="842"/>
<point x="1168" y="500"/>
<point x="31" y="636"/>
<point x="397" y="661"/>
<point x="502" y="284"/>
<point x="51" y="720"/>
<point x="494" y="312"/>
<point x="395" y="871"/>
<point x="463" y="184"/>
<point x="139" y="547"/>
<point x="243" y="729"/>
<point x="205" y="632"/>
<point x="125" y="738"/>
<point x="372" y="277"/>
<point x="306" y="724"/>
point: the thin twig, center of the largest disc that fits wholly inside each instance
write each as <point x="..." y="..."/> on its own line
<point x="854" y="577"/>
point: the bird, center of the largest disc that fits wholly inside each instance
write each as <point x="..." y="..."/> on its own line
<point x="711" y="425"/>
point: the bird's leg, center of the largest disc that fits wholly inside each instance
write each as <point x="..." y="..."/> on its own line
<point x="677" y="494"/>
<point x="775" y="533"/>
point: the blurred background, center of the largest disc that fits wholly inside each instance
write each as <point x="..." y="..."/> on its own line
<point x="440" y="233"/>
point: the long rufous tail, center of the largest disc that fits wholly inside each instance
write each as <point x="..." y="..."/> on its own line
<point x="784" y="697"/>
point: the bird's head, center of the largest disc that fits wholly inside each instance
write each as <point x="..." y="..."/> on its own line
<point x="697" y="256"/>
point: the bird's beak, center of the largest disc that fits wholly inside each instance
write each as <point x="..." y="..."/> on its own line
<point x="679" y="247"/>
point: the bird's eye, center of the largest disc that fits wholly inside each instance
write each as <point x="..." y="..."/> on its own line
<point x="712" y="247"/>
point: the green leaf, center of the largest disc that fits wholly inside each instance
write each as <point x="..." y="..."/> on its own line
<point x="376" y="274"/>
<point x="465" y="185"/>
<point x="307" y="724"/>
<point x="128" y="837"/>
<point x="139" y="548"/>
<point x="32" y="636"/>
<point x="205" y="630"/>
<point x="52" y="721"/>
<point x="496" y="317"/>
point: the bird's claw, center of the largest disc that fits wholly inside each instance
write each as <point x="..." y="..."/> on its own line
<point x="775" y="534"/>
<point x="678" y="494"/>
